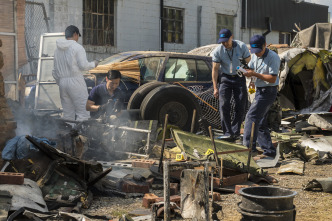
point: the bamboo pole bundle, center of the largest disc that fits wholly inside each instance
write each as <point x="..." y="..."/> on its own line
<point x="128" y="69"/>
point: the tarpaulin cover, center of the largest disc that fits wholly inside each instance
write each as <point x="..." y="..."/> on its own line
<point x="317" y="36"/>
<point x="19" y="147"/>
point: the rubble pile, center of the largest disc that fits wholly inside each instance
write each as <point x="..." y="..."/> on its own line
<point x="67" y="169"/>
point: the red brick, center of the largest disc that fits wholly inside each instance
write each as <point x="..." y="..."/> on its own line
<point x="238" y="187"/>
<point x="174" y="188"/>
<point x="148" y="199"/>
<point x="175" y="199"/>
<point x="132" y="187"/>
<point x="216" y="182"/>
<point x="142" y="163"/>
<point x="11" y="178"/>
<point x="216" y="196"/>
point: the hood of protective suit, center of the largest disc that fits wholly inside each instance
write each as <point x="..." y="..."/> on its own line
<point x="64" y="44"/>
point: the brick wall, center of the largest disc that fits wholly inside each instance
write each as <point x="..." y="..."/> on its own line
<point x="7" y="123"/>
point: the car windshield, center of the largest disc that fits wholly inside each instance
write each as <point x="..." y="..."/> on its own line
<point x="116" y="58"/>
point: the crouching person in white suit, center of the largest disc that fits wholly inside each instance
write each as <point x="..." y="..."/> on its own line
<point x="69" y="62"/>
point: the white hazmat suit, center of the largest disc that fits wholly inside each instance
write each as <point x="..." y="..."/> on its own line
<point x="69" y="62"/>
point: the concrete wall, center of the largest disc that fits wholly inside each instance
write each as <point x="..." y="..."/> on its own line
<point x="62" y="13"/>
<point x="137" y="24"/>
<point x="210" y="8"/>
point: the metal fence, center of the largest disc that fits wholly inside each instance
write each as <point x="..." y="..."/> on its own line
<point x="36" y="24"/>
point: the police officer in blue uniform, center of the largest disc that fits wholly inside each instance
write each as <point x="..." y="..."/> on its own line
<point x="264" y="67"/>
<point x="227" y="57"/>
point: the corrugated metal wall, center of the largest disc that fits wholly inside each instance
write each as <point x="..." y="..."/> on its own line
<point x="284" y="14"/>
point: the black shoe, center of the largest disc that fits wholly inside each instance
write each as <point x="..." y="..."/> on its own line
<point x="227" y="138"/>
<point x="238" y="137"/>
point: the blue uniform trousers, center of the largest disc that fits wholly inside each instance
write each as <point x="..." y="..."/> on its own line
<point x="257" y="113"/>
<point x="236" y="86"/>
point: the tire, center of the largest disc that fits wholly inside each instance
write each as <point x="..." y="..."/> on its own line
<point x="139" y="94"/>
<point x="175" y="101"/>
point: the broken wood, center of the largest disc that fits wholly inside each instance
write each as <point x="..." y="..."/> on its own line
<point x="163" y="143"/>
<point x="206" y="188"/>
<point x="250" y="146"/>
<point x="193" y="122"/>
<point x="215" y="153"/>
<point x="99" y="177"/>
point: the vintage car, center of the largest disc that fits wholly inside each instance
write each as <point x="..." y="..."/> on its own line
<point x="160" y="83"/>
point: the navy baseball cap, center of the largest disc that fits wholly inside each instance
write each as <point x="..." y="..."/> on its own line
<point x="257" y="43"/>
<point x="70" y="30"/>
<point x="224" y="35"/>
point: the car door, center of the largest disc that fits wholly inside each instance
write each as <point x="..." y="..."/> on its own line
<point x="187" y="72"/>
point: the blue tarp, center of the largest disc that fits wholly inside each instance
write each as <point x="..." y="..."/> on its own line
<point x="19" y="147"/>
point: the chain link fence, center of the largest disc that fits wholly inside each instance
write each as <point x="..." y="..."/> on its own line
<point x="36" y="23"/>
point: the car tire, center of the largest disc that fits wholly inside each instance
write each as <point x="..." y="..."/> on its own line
<point x="175" y="101"/>
<point x="139" y="94"/>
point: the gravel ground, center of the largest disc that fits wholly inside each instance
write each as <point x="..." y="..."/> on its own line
<point x="309" y="205"/>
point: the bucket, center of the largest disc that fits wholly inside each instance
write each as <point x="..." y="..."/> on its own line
<point x="267" y="203"/>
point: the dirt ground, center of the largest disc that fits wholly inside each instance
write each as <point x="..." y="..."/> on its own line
<point x="310" y="206"/>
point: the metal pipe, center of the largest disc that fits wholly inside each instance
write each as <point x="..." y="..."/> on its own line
<point x="167" y="208"/>
<point x="161" y="25"/>
<point x="268" y="21"/>
<point x="130" y="129"/>
<point x="134" y="154"/>
<point x="246" y="14"/>
<point x="16" y="49"/>
<point x="199" y="24"/>
<point x="7" y="34"/>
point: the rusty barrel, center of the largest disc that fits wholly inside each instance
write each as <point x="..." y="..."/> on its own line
<point x="267" y="203"/>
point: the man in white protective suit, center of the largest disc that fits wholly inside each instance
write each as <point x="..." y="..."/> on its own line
<point x="69" y="62"/>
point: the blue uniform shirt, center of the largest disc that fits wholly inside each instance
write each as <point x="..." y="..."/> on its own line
<point x="227" y="57"/>
<point x="269" y="63"/>
<point x="100" y="96"/>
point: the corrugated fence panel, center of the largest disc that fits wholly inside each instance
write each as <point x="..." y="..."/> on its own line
<point x="284" y="14"/>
